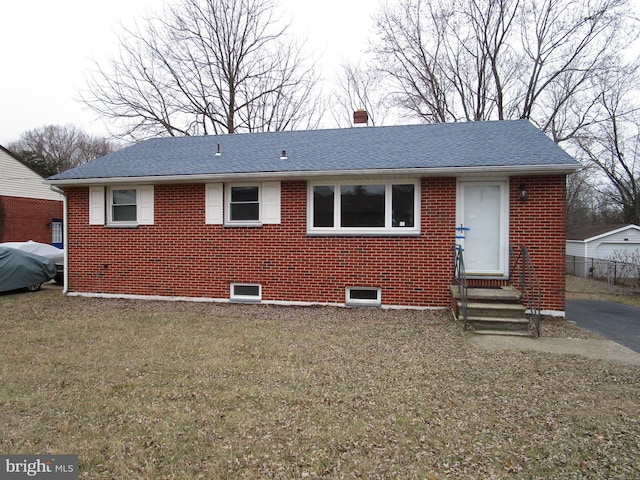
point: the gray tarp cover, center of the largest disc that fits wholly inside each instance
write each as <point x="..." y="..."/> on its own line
<point x="20" y="269"/>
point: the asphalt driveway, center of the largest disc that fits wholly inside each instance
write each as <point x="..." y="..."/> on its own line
<point x="620" y="323"/>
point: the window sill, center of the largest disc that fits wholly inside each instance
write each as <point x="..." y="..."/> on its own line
<point x="121" y="225"/>
<point x="362" y="233"/>
<point x="240" y="225"/>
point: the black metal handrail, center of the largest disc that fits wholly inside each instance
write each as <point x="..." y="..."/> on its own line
<point x="529" y="284"/>
<point x="460" y="279"/>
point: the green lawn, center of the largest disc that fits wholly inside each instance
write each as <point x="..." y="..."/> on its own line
<point x="155" y="390"/>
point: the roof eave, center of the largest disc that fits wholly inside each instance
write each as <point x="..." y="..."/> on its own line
<point x="422" y="172"/>
<point x="612" y="232"/>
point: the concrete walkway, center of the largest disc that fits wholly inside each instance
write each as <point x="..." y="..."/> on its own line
<point x="597" y="349"/>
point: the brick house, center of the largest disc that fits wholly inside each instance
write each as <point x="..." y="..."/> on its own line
<point x="357" y="216"/>
<point x="29" y="209"/>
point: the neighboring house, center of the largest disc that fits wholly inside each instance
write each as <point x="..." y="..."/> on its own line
<point x="601" y="242"/>
<point x="357" y="216"/>
<point x="29" y="209"/>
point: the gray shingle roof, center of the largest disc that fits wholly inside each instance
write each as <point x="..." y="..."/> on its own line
<point x="586" y="233"/>
<point x="513" y="143"/>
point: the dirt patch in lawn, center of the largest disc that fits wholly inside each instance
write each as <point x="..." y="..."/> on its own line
<point x="154" y="390"/>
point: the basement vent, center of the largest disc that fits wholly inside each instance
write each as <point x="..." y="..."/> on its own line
<point x="363" y="296"/>
<point x="246" y="292"/>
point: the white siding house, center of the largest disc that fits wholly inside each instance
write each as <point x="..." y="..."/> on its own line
<point x="29" y="209"/>
<point x="601" y="242"/>
<point x="18" y="180"/>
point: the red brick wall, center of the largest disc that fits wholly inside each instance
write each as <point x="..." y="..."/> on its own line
<point x="180" y="255"/>
<point x="23" y="219"/>
<point x="540" y="224"/>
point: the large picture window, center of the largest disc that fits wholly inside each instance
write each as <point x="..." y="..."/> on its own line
<point x="362" y="206"/>
<point x="376" y="208"/>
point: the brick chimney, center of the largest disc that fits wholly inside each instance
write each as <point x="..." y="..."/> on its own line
<point x="360" y="118"/>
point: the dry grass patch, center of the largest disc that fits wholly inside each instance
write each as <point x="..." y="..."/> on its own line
<point x="154" y="390"/>
<point x="594" y="289"/>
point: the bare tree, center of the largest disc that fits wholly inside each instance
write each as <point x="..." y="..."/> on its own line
<point x="206" y="66"/>
<point x="587" y="200"/>
<point x="578" y="195"/>
<point x="359" y="87"/>
<point x="497" y="59"/>
<point x="567" y="44"/>
<point x="410" y="54"/>
<point x="612" y="144"/>
<point x="478" y="57"/>
<point x="285" y="99"/>
<point x="54" y="148"/>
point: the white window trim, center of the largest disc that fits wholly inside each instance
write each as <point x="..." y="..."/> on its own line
<point x="214" y="204"/>
<point x="144" y="205"/>
<point x="56" y="231"/>
<point x="245" y="298"/>
<point x="386" y="230"/>
<point x="96" y="206"/>
<point x="363" y="302"/>
<point x="145" y="197"/>
<point x="269" y="201"/>
<point x="227" y="206"/>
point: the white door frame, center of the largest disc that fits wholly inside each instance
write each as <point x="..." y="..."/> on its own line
<point x="502" y="270"/>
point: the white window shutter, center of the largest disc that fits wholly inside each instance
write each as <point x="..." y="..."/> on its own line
<point x="96" y="206"/>
<point x="271" y="202"/>
<point x="145" y="205"/>
<point x="213" y="204"/>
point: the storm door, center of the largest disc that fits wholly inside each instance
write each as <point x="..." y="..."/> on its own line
<point x="482" y="227"/>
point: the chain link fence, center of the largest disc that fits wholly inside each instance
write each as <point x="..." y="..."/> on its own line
<point x="614" y="271"/>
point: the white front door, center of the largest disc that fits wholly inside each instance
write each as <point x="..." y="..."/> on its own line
<point x="483" y="229"/>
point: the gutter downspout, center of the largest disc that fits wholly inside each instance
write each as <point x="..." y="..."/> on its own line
<point x="65" y="238"/>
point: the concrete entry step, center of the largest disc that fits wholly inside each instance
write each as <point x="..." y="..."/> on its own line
<point x="483" y="294"/>
<point x="498" y="320"/>
<point x="501" y="333"/>
<point x="500" y="324"/>
<point x="495" y="309"/>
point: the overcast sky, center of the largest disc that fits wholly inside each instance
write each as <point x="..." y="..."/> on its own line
<point x="47" y="46"/>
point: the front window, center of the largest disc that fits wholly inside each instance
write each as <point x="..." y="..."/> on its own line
<point x="323" y="206"/>
<point x="362" y="205"/>
<point x="364" y="208"/>
<point x="402" y="205"/>
<point x="123" y="206"/>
